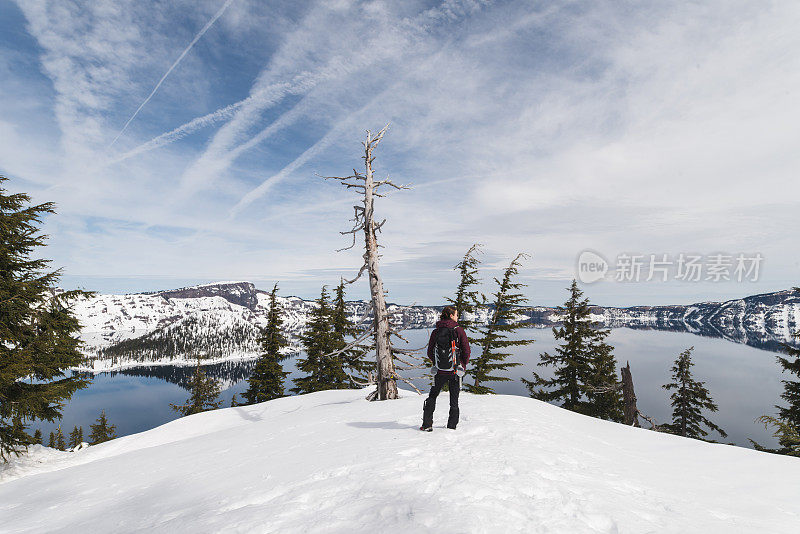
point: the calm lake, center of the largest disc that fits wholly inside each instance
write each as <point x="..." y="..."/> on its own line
<point x="745" y="382"/>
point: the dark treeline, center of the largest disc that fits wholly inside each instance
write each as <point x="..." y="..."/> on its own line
<point x="194" y="334"/>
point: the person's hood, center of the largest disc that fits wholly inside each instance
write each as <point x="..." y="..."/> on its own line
<point x="448" y="323"/>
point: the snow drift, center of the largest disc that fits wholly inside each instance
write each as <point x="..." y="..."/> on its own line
<point x="332" y="462"/>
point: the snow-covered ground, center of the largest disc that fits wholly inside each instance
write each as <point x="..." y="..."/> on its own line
<point x="333" y="462"/>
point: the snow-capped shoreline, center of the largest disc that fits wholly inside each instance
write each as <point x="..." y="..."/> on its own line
<point x="223" y="322"/>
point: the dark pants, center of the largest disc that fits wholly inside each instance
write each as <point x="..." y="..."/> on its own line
<point x="429" y="406"/>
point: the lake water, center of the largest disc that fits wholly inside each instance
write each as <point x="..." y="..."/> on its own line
<point x="745" y="382"/>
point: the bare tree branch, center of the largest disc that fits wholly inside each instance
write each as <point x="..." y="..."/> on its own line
<point x="413" y="365"/>
<point x="605" y="389"/>
<point x="649" y="420"/>
<point x="392" y="184"/>
<point x="353" y="244"/>
<point x="409" y="352"/>
<point x="409" y="383"/>
<point x="369" y="382"/>
<point x="360" y="272"/>
<point x="349" y="346"/>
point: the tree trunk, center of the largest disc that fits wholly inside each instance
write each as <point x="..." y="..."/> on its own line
<point x="629" y="397"/>
<point x="387" y="385"/>
<point x="364" y="219"/>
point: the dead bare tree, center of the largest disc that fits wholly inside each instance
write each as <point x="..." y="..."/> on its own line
<point x="629" y="397"/>
<point x="631" y="411"/>
<point x="364" y="221"/>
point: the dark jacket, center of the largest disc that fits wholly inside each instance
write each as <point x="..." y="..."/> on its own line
<point x="463" y="344"/>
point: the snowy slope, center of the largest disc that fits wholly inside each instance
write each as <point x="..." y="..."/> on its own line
<point x="332" y="462"/>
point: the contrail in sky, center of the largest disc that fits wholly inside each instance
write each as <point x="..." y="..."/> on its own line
<point x="197" y="37"/>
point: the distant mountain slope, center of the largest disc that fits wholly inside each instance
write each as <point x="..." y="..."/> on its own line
<point x="333" y="462"/>
<point x="223" y="321"/>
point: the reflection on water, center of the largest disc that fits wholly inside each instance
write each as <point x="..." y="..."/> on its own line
<point x="226" y="373"/>
<point x="744" y="382"/>
<point x="733" y="332"/>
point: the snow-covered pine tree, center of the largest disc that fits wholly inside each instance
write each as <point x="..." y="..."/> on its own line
<point x="508" y="305"/>
<point x="322" y="371"/>
<point x="75" y="437"/>
<point x="102" y="431"/>
<point x="467" y="297"/>
<point x="38" y="329"/>
<point x="344" y="333"/>
<point x="203" y="394"/>
<point x="584" y="376"/>
<point x="688" y="401"/>
<point x="267" y="380"/>
<point x="61" y="444"/>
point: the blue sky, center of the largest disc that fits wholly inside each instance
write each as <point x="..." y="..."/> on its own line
<point x="543" y="127"/>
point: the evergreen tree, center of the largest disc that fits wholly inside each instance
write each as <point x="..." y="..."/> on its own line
<point x="508" y="304"/>
<point x="267" y="380"/>
<point x="584" y="376"/>
<point x="234" y="401"/>
<point x="688" y="401"/>
<point x="603" y="396"/>
<point x="343" y="329"/>
<point x="37" y="437"/>
<point x="787" y="423"/>
<point x="322" y="370"/>
<point x="467" y="297"/>
<point x="75" y="437"/>
<point x="203" y="394"/>
<point x="102" y="431"/>
<point x="52" y="441"/>
<point x="60" y="442"/>
<point x="38" y="330"/>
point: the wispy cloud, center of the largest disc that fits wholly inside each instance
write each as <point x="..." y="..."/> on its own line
<point x="350" y="46"/>
<point x="186" y="50"/>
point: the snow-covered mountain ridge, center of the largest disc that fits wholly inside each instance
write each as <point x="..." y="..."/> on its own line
<point x="223" y="321"/>
<point x="332" y="462"/>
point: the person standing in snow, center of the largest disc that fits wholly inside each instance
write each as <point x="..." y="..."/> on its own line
<point x="448" y="349"/>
